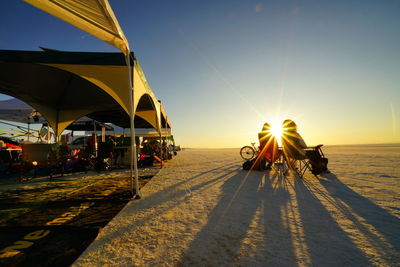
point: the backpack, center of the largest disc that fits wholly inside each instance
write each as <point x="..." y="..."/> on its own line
<point x="247" y="165"/>
<point x="260" y="166"/>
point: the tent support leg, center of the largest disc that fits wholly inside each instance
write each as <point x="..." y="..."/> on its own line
<point x="57" y="133"/>
<point x="134" y="167"/>
<point x="95" y="139"/>
<point x="29" y="130"/>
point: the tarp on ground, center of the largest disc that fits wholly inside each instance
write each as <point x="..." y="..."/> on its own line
<point x="64" y="86"/>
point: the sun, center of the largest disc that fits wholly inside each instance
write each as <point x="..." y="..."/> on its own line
<point x="276" y="130"/>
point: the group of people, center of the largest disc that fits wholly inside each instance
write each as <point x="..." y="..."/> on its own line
<point x="292" y="143"/>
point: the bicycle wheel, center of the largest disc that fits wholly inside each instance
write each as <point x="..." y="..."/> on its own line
<point x="247" y="153"/>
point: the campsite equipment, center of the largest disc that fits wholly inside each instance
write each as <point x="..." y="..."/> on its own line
<point x="104" y="157"/>
<point x="125" y="92"/>
<point x="317" y="159"/>
<point x="255" y="164"/>
<point x="92" y="85"/>
<point x="10" y="152"/>
<point x="249" y="152"/>
<point x="312" y="160"/>
<point x="37" y="158"/>
<point x="253" y="158"/>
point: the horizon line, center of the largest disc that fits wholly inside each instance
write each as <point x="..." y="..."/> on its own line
<point x="370" y="144"/>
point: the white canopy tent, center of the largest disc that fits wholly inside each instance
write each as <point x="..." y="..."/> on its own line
<point x="15" y="110"/>
<point x="97" y="18"/>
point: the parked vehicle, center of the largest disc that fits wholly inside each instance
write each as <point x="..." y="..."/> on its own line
<point x="79" y="142"/>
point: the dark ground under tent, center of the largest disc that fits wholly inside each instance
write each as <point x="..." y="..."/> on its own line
<point x="50" y="223"/>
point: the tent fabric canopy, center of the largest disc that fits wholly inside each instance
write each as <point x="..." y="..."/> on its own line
<point x="15" y="110"/>
<point x="141" y="132"/>
<point x="93" y="16"/>
<point x="65" y="86"/>
<point x="97" y="18"/>
<point x="86" y="124"/>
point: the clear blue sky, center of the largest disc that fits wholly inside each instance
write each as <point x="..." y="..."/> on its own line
<point x="223" y="68"/>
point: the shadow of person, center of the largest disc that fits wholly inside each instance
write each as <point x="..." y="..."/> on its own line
<point x="387" y="224"/>
<point x="239" y="228"/>
<point x="278" y="208"/>
<point x="327" y="244"/>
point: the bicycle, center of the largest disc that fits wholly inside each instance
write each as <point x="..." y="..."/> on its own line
<point x="249" y="152"/>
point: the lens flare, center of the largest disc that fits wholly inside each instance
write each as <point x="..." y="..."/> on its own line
<point x="276" y="130"/>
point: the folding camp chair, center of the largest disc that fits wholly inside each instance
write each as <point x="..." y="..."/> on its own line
<point x="295" y="155"/>
<point x="313" y="160"/>
<point x="298" y="164"/>
<point x="317" y="160"/>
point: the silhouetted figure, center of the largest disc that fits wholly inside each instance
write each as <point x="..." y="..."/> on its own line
<point x="292" y="142"/>
<point x="268" y="146"/>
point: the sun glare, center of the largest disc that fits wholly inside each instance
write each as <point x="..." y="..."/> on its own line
<point x="276" y="130"/>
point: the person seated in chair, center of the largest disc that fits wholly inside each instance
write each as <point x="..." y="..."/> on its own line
<point x="292" y="142"/>
<point x="319" y="164"/>
<point x="268" y="146"/>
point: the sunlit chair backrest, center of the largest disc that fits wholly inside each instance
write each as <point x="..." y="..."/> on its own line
<point x="292" y="143"/>
<point x="292" y="146"/>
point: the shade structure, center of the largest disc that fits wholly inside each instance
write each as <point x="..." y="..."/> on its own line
<point x="97" y="18"/>
<point x="64" y="86"/>
<point x="92" y="16"/>
<point x="86" y="124"/>
<point x="14" y="110"/>
<point x="152" y="133"/>
<point x="145" y="132"/>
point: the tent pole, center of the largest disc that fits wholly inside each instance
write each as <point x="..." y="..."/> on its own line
<point x="95" y="138"/>
<point x="29" y="130"/>
<point x="49" y="133"/>
<point x="57" y="137"/>
<point x="103" y="133"/>
<point x="133" y="139"/>
<point x="161" y="152"/>
<point x="160" y="127"/>
<point x="166" y="136"/>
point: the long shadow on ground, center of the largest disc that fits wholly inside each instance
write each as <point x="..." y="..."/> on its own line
<point x="327" y="243"/>
<point x="223" y="236"/>
<point x="384" y="222"/>
<point x="265" y="204"/>
<point x="164" y="196"/>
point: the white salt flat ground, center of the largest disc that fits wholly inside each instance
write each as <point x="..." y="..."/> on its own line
<point x="203" y="210"/>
